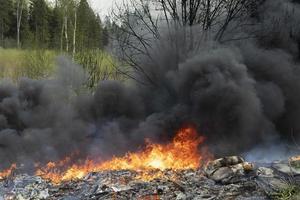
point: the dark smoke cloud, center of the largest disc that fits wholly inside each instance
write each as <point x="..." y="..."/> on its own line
<point x="238" y="94"/>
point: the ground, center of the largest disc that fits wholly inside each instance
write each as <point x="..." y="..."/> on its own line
<point x="264" y="181"/>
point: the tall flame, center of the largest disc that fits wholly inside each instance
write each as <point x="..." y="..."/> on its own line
<point x="180" y="154"/>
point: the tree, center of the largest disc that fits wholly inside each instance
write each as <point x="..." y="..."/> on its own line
<point x="6" y="16"/>
<point x="69" y="25"/>
<point x="25" y="34"/>
<point x="89" y="27"/>
<point x="39" y="22"/>
<point x="55" y="24"/>
<point x="83" y="14"/>
<point x="19" y="14"/>
<point x="95" y="32"/>
<point x="143" y="21"/>
<point x="74" y="29"/>
<point x="64" y="31"/>
<point x="107" y="28"/>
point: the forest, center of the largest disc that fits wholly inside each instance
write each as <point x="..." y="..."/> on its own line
<point x="65" y="25"/>
<point x="34" y="32"/>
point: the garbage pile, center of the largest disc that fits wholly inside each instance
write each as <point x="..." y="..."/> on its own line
<point x="224" y="178"/>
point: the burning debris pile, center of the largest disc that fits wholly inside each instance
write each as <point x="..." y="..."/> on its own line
<point x="182" y="169"/>
<point x="226" y="178"/>
<point x="60" y="141"/>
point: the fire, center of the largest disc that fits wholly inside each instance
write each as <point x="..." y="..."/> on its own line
<point x="6" y="173"/>
<point x="180" y="154"/>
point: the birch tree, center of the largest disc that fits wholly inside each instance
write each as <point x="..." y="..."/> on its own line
<point x="75" y="7"/>
<point x="19" y="14"/>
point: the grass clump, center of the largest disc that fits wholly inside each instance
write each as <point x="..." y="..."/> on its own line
<point x="99" y="65"/>
<point x="35" y="64"/>
<point x="290" y="192"/>
<point x="38" y="64"/>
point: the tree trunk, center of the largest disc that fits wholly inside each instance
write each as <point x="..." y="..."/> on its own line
<point x="74" y="33"/>
<point x="61" y="37"/>
<point x="2" y="34"/>
<point x="20" y="5"/>
<point x="66" y="33"/>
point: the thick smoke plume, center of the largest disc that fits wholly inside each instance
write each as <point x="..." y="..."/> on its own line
<point x="238" y="94"/>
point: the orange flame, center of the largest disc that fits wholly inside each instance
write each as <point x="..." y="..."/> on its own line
<point x="6" y="173"/>
<point x="182" y="153"/>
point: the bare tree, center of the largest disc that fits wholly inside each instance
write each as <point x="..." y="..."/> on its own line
<point x="74" y="28"/>
<point x="19" y="12"/>
<point x="68" y="25"/>
<point x="65" y="31"/>
<point x="66" y="8"/>
<point x="142" y="21"/>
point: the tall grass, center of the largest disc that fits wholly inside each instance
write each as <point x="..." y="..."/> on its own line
<point x="38" y="64"/>
<point x="35" y="64"/>
<point x="99" y="65"/>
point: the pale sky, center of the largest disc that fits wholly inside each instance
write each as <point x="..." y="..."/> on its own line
<point x="103" y="7"/>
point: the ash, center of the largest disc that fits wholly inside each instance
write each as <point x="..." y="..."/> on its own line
<point x="225" y="178"/>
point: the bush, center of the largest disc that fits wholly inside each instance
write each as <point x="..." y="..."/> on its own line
<point x="99" y="66"/>
<point x="37" y="64"/>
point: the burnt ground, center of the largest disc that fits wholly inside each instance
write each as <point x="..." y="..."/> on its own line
<point x="264" y="181"/>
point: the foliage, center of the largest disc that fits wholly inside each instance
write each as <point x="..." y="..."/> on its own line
<point x="34" y="64"/>
<point x="51" y="27"/>
<point x="38" y="21"/>
<point x="6" y="15"/>
<point x="38" y="64"/>
<point x="99" y="66"/>
<point x="290" y="192"/>
<point x="26" y="63"/>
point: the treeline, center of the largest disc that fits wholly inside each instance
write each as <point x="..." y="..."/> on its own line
<point x="66" y="25"/>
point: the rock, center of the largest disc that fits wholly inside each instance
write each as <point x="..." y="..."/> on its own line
<point x="181" y="196"/>
<point x="227" y="170"/>
<point x="277" y="184"/>
<point x="264" y="172"/>
<point x="120" y="188"/>
<point x="222" y="173"/>
<point x="248" y="167"/>
<point x="212" y="166"/>
<point x="270" y="185"/>
<point x="286" y="168"/>
<point x="44" y="194"/>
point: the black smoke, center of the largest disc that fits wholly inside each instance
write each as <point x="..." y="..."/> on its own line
<point x="238" y="94"/>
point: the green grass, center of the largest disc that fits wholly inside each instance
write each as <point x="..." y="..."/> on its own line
<point x="38" y="64"/>
<point x="291" y="192"/>
<point x="35" y="64"/>
<point x="100" y="66"/>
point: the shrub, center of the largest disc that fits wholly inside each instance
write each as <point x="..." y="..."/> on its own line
<point x="99" y="66"/>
